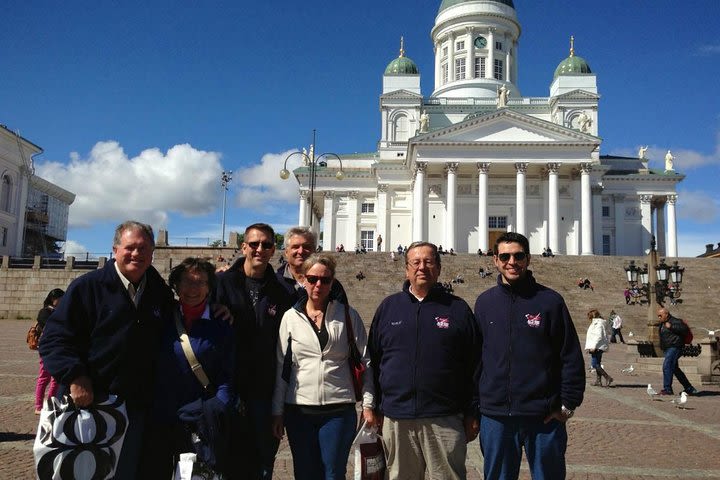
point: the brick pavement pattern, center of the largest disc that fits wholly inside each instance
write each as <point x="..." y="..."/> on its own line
<point x="618" y="433"/>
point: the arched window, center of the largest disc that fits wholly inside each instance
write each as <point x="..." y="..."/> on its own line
<point x="401" y="129"/>
<point x="5" y="193"/>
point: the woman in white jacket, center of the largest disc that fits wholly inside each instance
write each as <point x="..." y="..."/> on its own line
<point x="596" y="342"/>
<point x="314" y="398"/>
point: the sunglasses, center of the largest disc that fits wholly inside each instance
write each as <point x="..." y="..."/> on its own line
<point x="313" y="279"/>
<point x="266" y="245"/>
<point x="519" y="256"/>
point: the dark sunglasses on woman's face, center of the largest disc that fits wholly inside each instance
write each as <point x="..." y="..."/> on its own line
<point x="256" y="244"/>
<point x="519" y="256"/>
<point x="313" y="279"/>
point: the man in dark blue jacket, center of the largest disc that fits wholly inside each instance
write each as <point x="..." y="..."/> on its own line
<point x="423" y="349"/>
<point x="257" y="301"/>
<point x="102" y="336"/>
<point x="672" y="340"/>
<point x="532" y="372"/>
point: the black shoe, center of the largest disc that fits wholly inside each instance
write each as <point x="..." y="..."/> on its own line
<point x="691" y="391"/>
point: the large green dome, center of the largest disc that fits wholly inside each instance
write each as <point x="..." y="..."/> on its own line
<point x="572" y="65"/>
<point x="450" y="3"/>
<point x="401" y="66"/>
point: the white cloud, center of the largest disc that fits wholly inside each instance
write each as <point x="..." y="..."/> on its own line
<point x="708" y="50"/>
<point x="111" y="186"/>
<point x="698" y="206"/>
<point x="72" y="247"/>
<point x="261" y="187"/>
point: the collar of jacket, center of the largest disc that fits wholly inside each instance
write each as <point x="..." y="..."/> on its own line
<point x="523" y="288"/>
<point x="237" y="268"/>
<point x="435" y="290"/>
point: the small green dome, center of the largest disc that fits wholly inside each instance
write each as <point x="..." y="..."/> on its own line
<point x="401" y="66"/>
<point x="450" y="3"/>
<point x="572" y="65"/>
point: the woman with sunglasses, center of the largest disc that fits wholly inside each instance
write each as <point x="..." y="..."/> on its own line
<point x="314" y="398"/>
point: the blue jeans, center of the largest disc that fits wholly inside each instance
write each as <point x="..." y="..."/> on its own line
<point x="596" y="359"/>
<point x="320" y="444"/>
<point x="671" y="367"/>
<point x="502" y="440"/>
<point x="263" y="441"/>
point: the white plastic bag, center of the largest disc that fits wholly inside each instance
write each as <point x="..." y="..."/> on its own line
<point x="369" y="454"/>
<point x="188" y="468"/>
<point x="79" y="443"/>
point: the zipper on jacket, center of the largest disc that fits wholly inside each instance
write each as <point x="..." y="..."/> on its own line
<point x="417" y="344"/>
<point x="510" y="356"/>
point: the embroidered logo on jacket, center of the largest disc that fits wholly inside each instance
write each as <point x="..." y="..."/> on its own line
<point x="272" y="310"/>
<point x="533" y="320"/>
<point x="442" y="322"/>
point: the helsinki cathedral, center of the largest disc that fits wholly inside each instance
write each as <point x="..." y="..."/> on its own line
<point x="475" y="157"/>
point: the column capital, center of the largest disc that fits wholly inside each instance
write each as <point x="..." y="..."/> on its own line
<point x="329" y="194"/>
<point x="304" y="194"/>
<point x="671" y="199"/>
<point x="521" y="167"/>
<point x="451" y="167"/>
<point x="420" y="167"/>
<point x="483" y="167"/>
<point x="553" y="167"/>
<point x="585" y="167"/>
<point x="382" y="187"/>
<point x="469" y="30"/>
<point x="646" y="199"/>
<point x="597" y="189"/>
<point x="353" y="194"/>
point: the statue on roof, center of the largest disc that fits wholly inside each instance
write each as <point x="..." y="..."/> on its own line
<point x="641" y="152"/>
<point x="502" y="96"/>
<point x="669" y="161"/>
<point x="584" y="122"/>
<point x="424" y="122"/>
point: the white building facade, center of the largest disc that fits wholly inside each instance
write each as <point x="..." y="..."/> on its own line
<point x="476" y="158"/>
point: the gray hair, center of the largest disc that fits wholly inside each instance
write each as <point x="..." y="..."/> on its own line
<point x="431" y="246"/>
<point x="304" y="232"/>
<point x="322" y="259"/>
<point x="143" y="228"/>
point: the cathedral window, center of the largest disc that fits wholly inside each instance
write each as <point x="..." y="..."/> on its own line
<point x="498" y="46"/>
<point x="401" y="129"/>
<point x="605" y="211"/>
<point x="460" y="45"/>
<point x="444" y="51"/>
<point x="367" y="240"/>
<point x="367" y="207"/>
<point x="606" y="245"/>
<point x="444" y="73"/>
<point x="498" y="69"/>
<point x="459" y="68"/>
<point x="497" y="222"/>
<point x="479" y="67"/>
<point x="5" y="193"/>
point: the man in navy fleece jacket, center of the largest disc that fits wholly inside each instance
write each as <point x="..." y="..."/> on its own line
<point x="532" y="372"/>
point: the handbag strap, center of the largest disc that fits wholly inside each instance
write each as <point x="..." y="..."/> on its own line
<point x="188" y="351"/>
<point x="351" y="334"/>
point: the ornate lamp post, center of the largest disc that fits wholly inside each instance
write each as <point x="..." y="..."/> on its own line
<point x="314" y="163"/>
<point x="225" y="180"/>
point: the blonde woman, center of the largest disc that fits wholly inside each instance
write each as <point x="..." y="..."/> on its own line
<point x="596" y="342"/>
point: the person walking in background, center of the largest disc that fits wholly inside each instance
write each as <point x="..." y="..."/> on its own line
<point x="672" y="339"/>
<point x="532" y="374"/>
<point x="44" y="378"/>
<point x="423" y="350"/>
<point x="314" y="398"/>
<point x="596" y="343"/>
<point x="616" y="326"/>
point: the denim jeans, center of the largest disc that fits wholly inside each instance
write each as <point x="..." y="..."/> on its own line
<point x="671" y="367"/>
<point x="262" y="439"/>
<point x="596" y="359"/>
<point x="502" y="440"/>
<point x="320" y="443"/>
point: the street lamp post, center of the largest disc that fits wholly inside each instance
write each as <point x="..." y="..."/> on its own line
<point x="314" y="163"/>
<point x="225" y="180"/>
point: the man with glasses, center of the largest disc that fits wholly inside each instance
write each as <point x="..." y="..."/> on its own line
<point x="423" y="348"/>
<point x="300" y="243"/>
<point x="257" y="301"/>
<point x="532" y="374"/>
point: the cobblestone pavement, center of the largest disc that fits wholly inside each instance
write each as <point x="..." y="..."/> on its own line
<point x="618" y="433"/>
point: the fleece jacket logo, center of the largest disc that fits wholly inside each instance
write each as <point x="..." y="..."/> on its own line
<point x="533" y="320"/>
<point x="442" y="322"/>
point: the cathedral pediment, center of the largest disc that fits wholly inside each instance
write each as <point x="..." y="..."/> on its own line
<point x="400" y="94"/>
<point x="578" y="95"/>
<point x="504" y="127"/>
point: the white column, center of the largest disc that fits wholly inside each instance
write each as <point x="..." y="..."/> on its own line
<point x="438" y="58"/>
<point x="451" y="169"/>
<point x="490" y="67"/>
<point x="597" y="218"/>
<point x="353" y="217"/>
<point x="483" y="170"/>
<point x="419" y="202"/>
<point x="520" y="169"/>
<point x="382" y="216"/>
<point x="619" y="200"/>
<point x="553" y="200"/>
<point x="470" y="59"/>
<point x="329" y="224"/>
<point x="646" y="221"/>
<point x="660" y="221"/>
<point x="303" y="218"/>
<point x="672" y="243"/>
<point x="507" y="64"/>
<point x="586" y="210"/>
<point x="451" y="58"/>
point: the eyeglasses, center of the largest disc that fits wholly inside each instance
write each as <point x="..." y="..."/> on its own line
<point x="518" y="256"/>
<point x="313" y="279"/>
<point x="193" y="283"/>
<point x="266" y="245"/>
<point x="418" y="263"/>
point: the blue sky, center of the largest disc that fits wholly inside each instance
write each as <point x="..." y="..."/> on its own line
<point x="139" y="106"/>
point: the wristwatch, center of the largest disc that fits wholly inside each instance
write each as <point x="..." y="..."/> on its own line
<point x="567" y="413"/>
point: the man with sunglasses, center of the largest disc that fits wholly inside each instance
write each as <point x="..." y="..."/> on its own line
<point x="423" y="348"/>
<point x="257" y="301"/>
<point x="532" y="374"/>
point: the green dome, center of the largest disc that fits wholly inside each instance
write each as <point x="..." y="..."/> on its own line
<point x="401" y="66"/>
<point x="572" y="65"/>
<point x="451" y="3"/>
